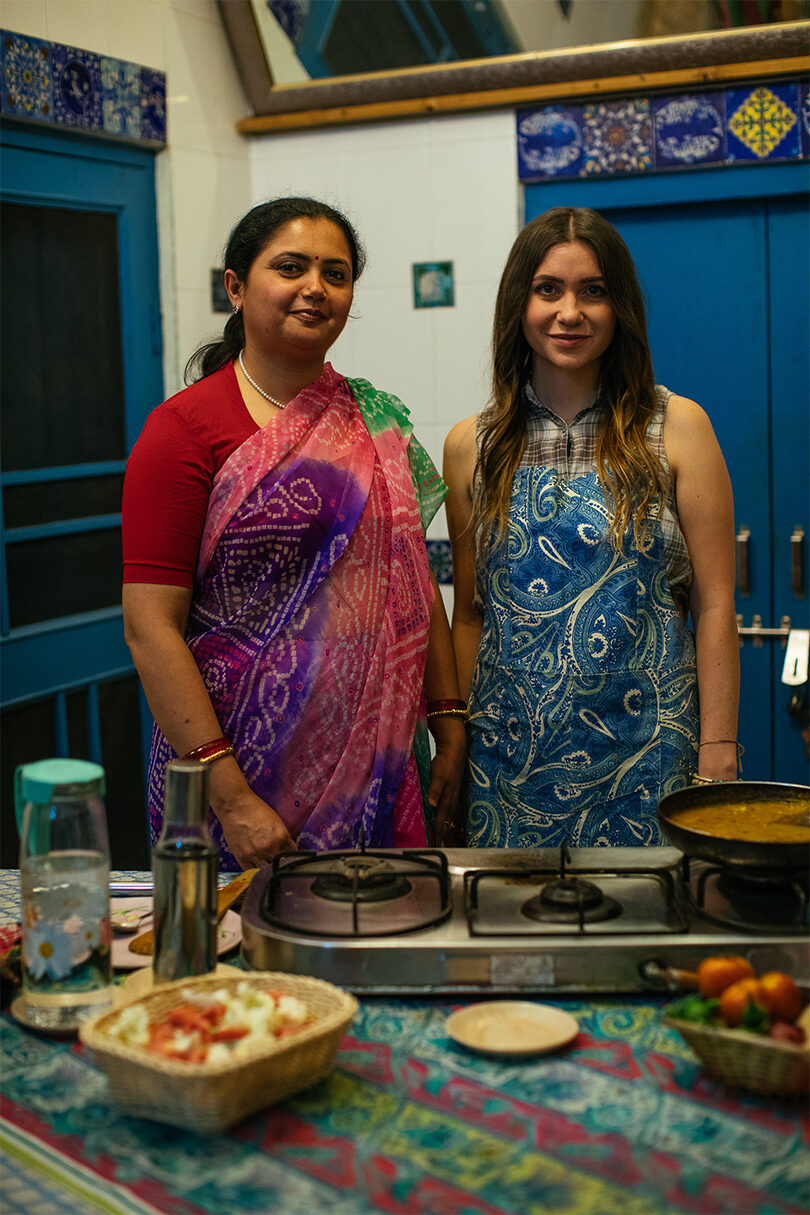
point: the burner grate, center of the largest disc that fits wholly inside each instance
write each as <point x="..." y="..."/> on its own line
<point x="757" y="902"/>
<point x="645" y="904"/>
<point x="370" y="893"/>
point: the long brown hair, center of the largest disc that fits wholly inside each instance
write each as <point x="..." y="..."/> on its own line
<point x="630" y="473"/>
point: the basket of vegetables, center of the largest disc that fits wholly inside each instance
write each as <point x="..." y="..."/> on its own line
<point x="749" y="1031"/>
<point x="207" y="1052"/>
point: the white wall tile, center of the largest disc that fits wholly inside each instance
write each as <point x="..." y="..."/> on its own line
<point x="80" y="23"/>
<point x="197" y="324"/>
<point x="25" y="17"/>
<point x="136" y="32"/>
<point x="392" y="345"/>
<point x="209" y="197"/>
<point x="204" y="96"/>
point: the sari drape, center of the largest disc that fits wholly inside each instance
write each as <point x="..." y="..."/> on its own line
<point x="310" y="614"/>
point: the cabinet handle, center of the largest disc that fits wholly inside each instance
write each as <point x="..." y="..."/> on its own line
<point x="797" y="562"/>
<point x="743" y="564"/>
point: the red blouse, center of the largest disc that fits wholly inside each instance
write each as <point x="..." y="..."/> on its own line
<point x="170" y="474"/>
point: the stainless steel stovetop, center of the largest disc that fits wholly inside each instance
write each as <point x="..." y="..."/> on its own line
<point x="462" y="921"/>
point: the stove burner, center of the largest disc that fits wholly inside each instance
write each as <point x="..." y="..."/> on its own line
<point x="571" y="901"/>
<point x="361" y="879"/>
<point x="762" y="897"/>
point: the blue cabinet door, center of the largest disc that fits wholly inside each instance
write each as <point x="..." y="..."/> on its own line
<point x="80" y="374"/>
<point x="723" y="261"/>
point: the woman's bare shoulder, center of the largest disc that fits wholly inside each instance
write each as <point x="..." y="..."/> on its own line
<point x="683" y="412"/>
<point x="461" y="441"/>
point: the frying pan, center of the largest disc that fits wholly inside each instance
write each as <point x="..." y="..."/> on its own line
<point x="759" y="853"/>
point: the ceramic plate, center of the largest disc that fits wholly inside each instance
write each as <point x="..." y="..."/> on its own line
<point x="512" y="1027"/>
<point x="229" y="934"/>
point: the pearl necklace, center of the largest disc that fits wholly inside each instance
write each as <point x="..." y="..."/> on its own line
<point x="261" y="392"/>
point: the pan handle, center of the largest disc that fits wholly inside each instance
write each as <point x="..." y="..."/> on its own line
<point x="672" y="978"/>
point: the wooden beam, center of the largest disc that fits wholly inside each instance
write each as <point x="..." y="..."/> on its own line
<point x="572" y="90"/>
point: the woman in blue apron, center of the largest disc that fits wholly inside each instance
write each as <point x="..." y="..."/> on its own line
<point x="590" y="516"/>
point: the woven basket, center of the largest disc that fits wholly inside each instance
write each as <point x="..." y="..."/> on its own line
<point x="213" y="1096"/>
<point x="745" y="1060"/>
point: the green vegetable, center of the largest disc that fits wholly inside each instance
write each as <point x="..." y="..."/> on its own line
<point x="695" y="1008"/>
<point x="755" y="1019"/>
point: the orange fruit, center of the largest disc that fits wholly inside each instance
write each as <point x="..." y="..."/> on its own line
<point x="736" y="998"/>
<point x="716" y="974"/>
<point x="780" y="996"/>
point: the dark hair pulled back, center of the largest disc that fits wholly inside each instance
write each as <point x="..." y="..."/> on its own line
<point x="245" y="243"/>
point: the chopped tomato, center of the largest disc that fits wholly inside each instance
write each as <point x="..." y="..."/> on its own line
<point x="232" y="1034"/>
<point x="189" y="1017"/>
<point x="160" y="1032"/>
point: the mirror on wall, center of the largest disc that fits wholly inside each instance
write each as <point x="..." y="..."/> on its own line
<point x="319" y="39"/>
<point x="570" y="47"/>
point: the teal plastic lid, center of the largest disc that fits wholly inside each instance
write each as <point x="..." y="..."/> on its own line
<point x="36" y="782"/>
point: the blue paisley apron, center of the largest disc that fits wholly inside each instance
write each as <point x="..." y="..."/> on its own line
<point x="583" y="704"/>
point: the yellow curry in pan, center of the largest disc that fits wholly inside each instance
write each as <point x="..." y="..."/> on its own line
<point x="762" y="822"/>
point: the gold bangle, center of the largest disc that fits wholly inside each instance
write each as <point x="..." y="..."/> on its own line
<point x="446" y="713"/>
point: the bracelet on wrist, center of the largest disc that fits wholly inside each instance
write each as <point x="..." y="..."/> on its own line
<point x="209" y="752"/>
<point x="446" y="706"/>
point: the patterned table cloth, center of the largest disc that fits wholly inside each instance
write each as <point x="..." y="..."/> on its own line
<point x="622" y="1121"/>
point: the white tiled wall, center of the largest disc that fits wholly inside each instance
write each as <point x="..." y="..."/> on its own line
<point x="436" y="189"/>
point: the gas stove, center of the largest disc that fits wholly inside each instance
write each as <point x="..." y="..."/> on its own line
<point x="504" y="921"/>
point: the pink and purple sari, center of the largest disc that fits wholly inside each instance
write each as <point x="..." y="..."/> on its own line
<point x="310" y="615"/>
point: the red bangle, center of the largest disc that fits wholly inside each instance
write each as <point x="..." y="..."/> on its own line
<point x="208" y="752"/>
<point x="446" y="706"/>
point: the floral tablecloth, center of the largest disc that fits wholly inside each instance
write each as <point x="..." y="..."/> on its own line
<point x="622" y="1121"/>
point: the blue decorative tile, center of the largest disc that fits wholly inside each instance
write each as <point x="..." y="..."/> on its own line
<point x="617" y="136"/>
<point x="440" y="561"/>
<point x="804" y="117"/>
<point x="763" y="123"/>
<point x="153" y="105"/>
<point x="550" y="142"/>
<point x="76" y="87"/>
<point x="433" y="285"/>
<point x="27" y="77"/>
<point x="689" y="130"/>
<point x="121" y="97"/>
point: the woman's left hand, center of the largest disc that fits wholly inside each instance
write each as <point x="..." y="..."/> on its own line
<point x="446" y="772"/>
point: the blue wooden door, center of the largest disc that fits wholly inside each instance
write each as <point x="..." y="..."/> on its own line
<point x="723" y="261"/>
<point x="81" y="369"/>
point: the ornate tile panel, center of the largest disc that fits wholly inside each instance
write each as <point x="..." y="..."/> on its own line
<point x="71" y="87"/>
<point x="718" y="127"/>
<point x="763" y="123"/>
<point x="27" y="77"/>
<point x="804" y="117"/>
<point x="76" y="87"/>
<point x="121" y="97"/>
<point x="441" y="561"/>
<point x="689" y="130"/>
<point x="617" y="137"/>
<point x="550" y="142"/>
<point x="153" y="105"/>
